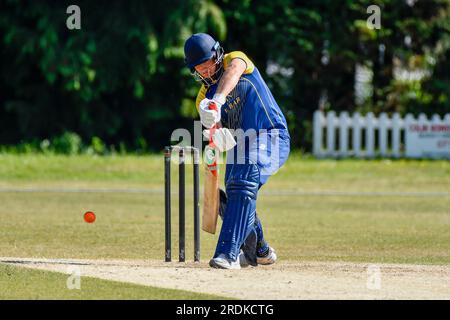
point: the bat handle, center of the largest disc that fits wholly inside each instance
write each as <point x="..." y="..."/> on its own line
<point x="213" y="106"/>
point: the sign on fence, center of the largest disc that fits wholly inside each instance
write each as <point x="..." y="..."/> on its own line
<point x="428" y="139"/>
<point x="369" y="136"/>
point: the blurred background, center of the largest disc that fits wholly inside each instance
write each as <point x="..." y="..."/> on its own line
<point x="119" y="83"/>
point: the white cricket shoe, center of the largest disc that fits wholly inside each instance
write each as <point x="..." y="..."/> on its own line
<point x="269" y="258"/>
<point x="222" y="262"/>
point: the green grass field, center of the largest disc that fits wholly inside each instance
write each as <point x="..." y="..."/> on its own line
<point x="300" y="222"/>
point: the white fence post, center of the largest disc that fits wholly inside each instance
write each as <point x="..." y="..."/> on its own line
<point x="318" y="123"/>
<point x="409" y="120"/>
<point x="357" y="134"/>
<point x="344" y="123"/>
<point x="397" y="124"/>
<point x="447" y="118"/>
<point x="371" y="123"/>
<point x="382" y="133"/>
<point x="436" y="119"/>
<point x="331" y="128"/>
<point x="423" y="119"/>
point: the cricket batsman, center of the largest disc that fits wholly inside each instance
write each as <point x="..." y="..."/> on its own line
<point x="252" y="130"/>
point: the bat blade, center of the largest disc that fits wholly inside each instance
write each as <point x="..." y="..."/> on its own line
<point x="211" y="196"/>
<point x="210" y="202"/>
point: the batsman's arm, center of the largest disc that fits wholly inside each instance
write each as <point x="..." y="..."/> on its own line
<point x="200" y="96"/>
<point x="231" y="76"/>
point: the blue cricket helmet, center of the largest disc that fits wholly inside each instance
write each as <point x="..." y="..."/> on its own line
<point x="199" y="48"/>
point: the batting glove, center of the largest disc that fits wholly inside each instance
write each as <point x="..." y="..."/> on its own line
<point x="222" y="138"/>
<point x="210" y="117"/>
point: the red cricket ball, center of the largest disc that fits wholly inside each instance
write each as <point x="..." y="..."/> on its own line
<point x="89" y="217"/>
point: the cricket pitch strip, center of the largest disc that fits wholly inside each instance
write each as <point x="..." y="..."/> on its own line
<point x="284" y="280"/>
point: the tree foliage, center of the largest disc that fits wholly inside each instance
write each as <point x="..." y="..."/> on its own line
<point x="122" y="80"/>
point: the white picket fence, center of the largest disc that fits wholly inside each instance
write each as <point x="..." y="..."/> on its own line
<point x="364" y="136"/>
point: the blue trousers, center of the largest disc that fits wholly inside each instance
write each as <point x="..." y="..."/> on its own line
<point x="248" y="169"/>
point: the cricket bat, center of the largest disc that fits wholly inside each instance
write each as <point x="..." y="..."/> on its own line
<point x="211" y="191"/>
